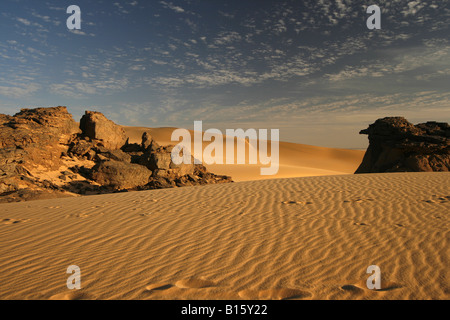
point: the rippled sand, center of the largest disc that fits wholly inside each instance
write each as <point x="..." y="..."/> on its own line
<point x="298" y="238"/>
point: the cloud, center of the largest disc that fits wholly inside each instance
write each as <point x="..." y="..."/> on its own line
<point x="227" y="37"/>
<point x="57" y="8"/>
<point x="413" y="8"/>
<point x="66" y="90"/>
<point x="159" y="62"/>
<point x="19" y="91"/>
<point x="227" y="14"/>
<point x="122" y="9"/>
<point x="81" y="33"/>
<point x="435" y="59"/>
<point x="171" y="6"/>
<point x="137" y="68"/>
<point x="24" y="21"/>
<point x="84" y="88"/>
<point x="46" y="19"/>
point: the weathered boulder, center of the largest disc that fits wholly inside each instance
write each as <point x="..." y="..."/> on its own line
<point x="120" y="175"/>
<point x="148" y="144"/>
<point x="395" y="145"/>
<point x="96" y="126"/>
<point x="82" y="148"/>
<point x="39" y="127"/>
<point x="96" y="159"/>
<point x="32" y="138"/>
<point x="160" y="162"/>
<point x="117" y="155"/>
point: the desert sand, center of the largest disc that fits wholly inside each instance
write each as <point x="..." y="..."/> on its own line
<point x="293" y="238"/>
<point x="296" y="160"/>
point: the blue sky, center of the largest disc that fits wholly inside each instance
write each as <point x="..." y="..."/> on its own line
<point x="309" y="68"/>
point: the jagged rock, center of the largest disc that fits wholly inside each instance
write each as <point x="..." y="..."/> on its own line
<point x="36" y="136"/>
<point x="183" y="169"/>
<point x="132" y="147"/>
<point x="117" y="155"/>
<point x="81" y="148"/>
<point x="96" y="126"/>
<point x="120" y="175"/>
<point x="148" y="143"/>
<point x="40" y="126"/>
<point x="159" y="183"/>
<point x="160" y="173"/>
<point x="160" y="160"/>
<point x="100" y="158"/>
<point x="395" y="145"/>
<point x="29" y="139"/>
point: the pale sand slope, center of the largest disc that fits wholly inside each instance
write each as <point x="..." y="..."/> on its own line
<point x="302" y="238"/>
<point x="296" y="160"/>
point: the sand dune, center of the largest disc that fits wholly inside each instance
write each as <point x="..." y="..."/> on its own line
<point x="298" y="238"/>
<point x="296" y="160"/>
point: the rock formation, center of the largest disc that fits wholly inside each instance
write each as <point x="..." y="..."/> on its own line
<point x="97" y="127"/>
<point x="395" y="145"/>
<point x="31" y="139"/>
<point x="43" y="153"/>
<point x="36" y="136"/>
<point x="120" y="174"/>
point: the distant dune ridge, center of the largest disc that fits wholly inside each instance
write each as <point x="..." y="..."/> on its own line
<point x="296" y="160"/>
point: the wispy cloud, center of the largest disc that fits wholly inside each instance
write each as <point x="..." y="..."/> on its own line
<point x="171" y="6"/>
<point x="24" y="21"/>
<point x="19" y="90"/>
<point x="46" y="19"/>
<point x="81" y="33"/>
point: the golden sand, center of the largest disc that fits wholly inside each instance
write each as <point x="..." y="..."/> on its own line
<point x="297" y="238"/>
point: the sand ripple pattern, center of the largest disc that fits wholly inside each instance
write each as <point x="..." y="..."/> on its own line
<point x="297" y="238"/>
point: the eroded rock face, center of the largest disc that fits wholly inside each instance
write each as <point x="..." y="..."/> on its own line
<point x="97" y="127"/>
<point x="35" y="137"/>
<point x="100" y="158"/>
<point x="30" y="139"/>
<point x="120" y="175"/>
<point x="148" y="144"/>
<point x="395" y="145"/>
<point x="39" y="127"/>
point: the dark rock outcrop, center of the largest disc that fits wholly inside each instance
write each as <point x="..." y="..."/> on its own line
<point x="120" y="175"/>
<point x="32" y="138"/>
<point x="96" y="159"/>
<point x="97" y="127"/>
<point x="36" y="136"/>
<point x="140" y="166"/>
<point x="395" y="145"/>
<point x="148" y="144"/>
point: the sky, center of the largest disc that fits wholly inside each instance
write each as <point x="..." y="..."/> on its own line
<point x="311" y="69"/>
